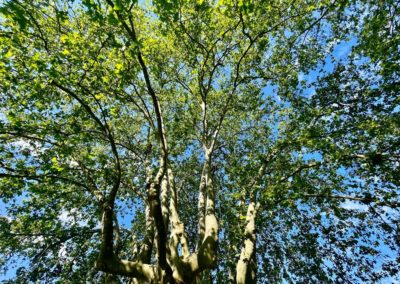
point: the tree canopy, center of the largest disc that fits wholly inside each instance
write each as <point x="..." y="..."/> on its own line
<point x="231" y="141"/>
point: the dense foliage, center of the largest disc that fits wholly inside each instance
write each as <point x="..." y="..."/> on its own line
<point x="199" y="141"/>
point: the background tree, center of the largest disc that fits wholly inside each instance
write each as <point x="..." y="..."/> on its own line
<point x="199" y="141"/>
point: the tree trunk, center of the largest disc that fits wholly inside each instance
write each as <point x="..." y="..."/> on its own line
<point x="246" y="268"/>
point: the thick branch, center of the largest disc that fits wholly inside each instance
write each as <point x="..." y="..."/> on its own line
<point x="113" y="265"/>
<point x="246" y="266"/>
<point x="148" y="241"/>
<point x="206" y="254"/>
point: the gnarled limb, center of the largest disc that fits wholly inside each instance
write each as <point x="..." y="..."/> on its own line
<point x="187" y="268"/>
<point x="134" y="269"/>
<point x="144" y="255"/>
<point x="177" y="227"/>
<point x="108" y="262"/>
<point x="181" y="272"/>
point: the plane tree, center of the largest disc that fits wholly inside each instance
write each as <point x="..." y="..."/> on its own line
<point x="199" y="141"/>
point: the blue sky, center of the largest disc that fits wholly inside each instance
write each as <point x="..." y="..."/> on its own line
<point x="341" y="51"/>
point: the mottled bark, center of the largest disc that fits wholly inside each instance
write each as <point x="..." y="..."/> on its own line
<point x="136" y="269"/>
<point x="108" y="262"/>
<point x="206" y="256"/>
<point x="246" y="269"/>
<point x="144" y="255"/>
<point x="177" y="227"/>
<point x="164" y="198"/>
<point x="201" y="205"/>
<point x="161" y="237"/>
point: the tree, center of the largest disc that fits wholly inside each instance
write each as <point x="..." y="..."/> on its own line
<point x="200" y="141"/>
